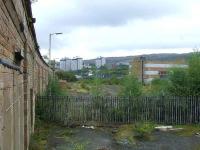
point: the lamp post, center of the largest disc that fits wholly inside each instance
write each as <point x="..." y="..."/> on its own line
<point x="50" y="36"/>
<point x="142" y="59"/>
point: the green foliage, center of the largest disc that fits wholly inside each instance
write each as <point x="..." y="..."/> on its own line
<point x="68" y="76"/>
<point x="79" y="147"/>
<point x="125" y="133"/>
<point x="131" y="86"/>
<point x="188" y="130"/>
<point x="185" y="82"/>
<point x="134" y="132"/>
<point x="143" y="130"/>
<point x="85" y="86"/>
<point x="194" y="74"/>
<point x="54" y="88"/>
<point x="96" y="89"/>
<point x="119" y="71"/>
<point x="158" y="87"/>
<point x="179" y="82"/>
<point x="38" y="140"/>
<point x="112" y="81"/>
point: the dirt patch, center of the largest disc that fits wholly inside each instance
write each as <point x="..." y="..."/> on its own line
<point x="102" y="139"/>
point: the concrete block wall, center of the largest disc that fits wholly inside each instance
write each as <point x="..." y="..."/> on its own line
<point x="20" y="81"/>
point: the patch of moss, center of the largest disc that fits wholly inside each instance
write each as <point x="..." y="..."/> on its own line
<point x="188" y="130"/>
<point x="142" y="131"/>
<point x="80" y="146"/>
<point x="38" y="140"/>
<point x="196" y="147"/>
<point x="130" y="134"/>
<point x="65" y="133"/>
<point x="125" y="135"/>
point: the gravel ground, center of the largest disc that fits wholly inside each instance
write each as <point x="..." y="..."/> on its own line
<point x="101" y="139"/>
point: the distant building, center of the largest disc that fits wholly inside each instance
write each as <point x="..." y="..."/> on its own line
<point x="57" y="65"/>
<point x="146" y="71"/>
<point x="68" y="64"/>
<point x="77" y="64"/>
<point x="65" y="64"/>
<point x="123" y="63"/>
<point x="87" y="66"/>
<point x="99" y="62"/>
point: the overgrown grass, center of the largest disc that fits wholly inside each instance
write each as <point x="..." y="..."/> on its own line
<point x="188" y="130"/>
<point x="55" y="88"/>
<point x="134" y="132"/>
<point x="80" y="146"/>
<point x="39" y="138"/>
<point x="142" y="131"/>
<point x="125" y="134"/>
<point x="196" y="147"/>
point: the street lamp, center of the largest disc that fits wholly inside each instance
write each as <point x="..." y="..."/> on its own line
<point x="50" y="35"/>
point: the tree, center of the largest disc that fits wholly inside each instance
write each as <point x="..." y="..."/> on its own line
<point x="97" y="88"/>
<point x="158" y="87"/>
<point x="186" y="81"/>
<point x="131" y="86"/>
<point x="68" y="76"/>
<point x="179" y="82"/>
<point x="194" y="74"/>
<point x="54" y="88"/>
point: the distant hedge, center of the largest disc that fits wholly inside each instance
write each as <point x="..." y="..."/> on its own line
<point x="68" y="76"/>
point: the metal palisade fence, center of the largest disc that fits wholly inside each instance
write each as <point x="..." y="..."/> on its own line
<point x="113" y="110"/>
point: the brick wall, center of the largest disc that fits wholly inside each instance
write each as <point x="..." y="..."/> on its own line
<point x="20" y="80"/>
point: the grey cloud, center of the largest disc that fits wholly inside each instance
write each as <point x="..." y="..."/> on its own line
<point x="57" y="42"/>
<point x="115" y="12"/>
<point x="98" y="13"/>
<point x="133" y="46"/>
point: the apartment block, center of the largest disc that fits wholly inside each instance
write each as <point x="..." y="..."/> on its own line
<point x="100" y="61"/>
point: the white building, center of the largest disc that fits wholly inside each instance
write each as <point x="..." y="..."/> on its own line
<point x="65" y="64"/>
<point x="101" y="61"/>
<point x="75" y="64"/>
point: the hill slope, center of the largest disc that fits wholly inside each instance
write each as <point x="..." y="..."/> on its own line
<point x="153" y="57"/>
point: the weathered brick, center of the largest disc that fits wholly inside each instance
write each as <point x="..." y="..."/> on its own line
<point x="17" y="91"/>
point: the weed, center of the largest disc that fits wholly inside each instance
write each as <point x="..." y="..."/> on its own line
<point x="188" y="130"/>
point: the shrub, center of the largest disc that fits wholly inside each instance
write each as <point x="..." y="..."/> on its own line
<point x="131" y="86"/>
<point x="68" y="76"/>
<point x="54" y="88"/>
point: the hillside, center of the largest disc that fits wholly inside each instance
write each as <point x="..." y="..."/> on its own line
<point x="153" y="57"/>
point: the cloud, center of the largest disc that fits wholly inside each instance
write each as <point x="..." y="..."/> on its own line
<point x="111" y="26"/>
<point x="104" y="12"/>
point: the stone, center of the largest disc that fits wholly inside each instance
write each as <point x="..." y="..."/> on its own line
<point x="163" y="128"/>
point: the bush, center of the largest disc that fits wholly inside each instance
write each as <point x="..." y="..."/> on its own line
<point x="194" y="74"/>
<point x="68" y="76"/>
<point x="179" y="82"/>
<point x="84" y="86"/>
<point x="143" y="130"/>
<point x="54" y="88"/>
<point x="131" y="86"/>
<point x="158" y="87"/>
<point x="112" y="81"/>
<point x="186" y="81"/>
<point x="96" y="89"/>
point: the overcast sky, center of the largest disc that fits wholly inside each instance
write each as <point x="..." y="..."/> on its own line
<point x="93" y="28"/>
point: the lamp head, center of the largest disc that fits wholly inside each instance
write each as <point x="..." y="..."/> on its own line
<point x="58" y="33"/>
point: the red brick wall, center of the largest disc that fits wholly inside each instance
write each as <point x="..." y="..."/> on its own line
<point x="18" y="88"/>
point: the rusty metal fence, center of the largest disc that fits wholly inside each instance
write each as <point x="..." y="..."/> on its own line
<point x="113" y="110"/>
